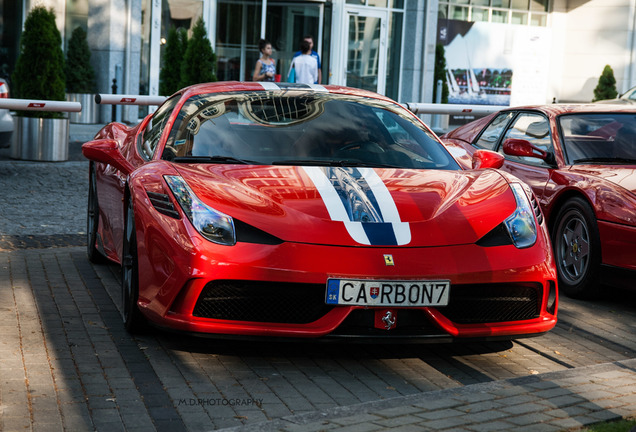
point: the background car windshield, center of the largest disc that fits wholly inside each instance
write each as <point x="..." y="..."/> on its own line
<point x="602" y="137"/>
<point x="302" y="129"/>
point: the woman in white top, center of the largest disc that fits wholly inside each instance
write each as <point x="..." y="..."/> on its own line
<point x="306" y="66"/>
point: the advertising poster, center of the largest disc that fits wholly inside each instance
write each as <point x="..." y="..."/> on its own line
<point x="494" y="64"/>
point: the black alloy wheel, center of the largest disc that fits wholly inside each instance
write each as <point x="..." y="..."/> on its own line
<point x="92" y="219"/>
<point x="134" y="321"/>
<point x="577" y="249"/>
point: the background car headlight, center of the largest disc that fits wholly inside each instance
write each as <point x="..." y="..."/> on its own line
<point x="521" y="224"/>
<point x="211" y="224"/>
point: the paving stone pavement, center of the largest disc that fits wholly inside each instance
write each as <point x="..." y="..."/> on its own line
<point x="66" y="362"/>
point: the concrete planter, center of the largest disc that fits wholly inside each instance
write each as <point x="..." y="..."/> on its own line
<point x="90" y="109"/>
<point x="40" y="139"/>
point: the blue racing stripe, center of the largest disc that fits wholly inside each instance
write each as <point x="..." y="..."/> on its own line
<point x="380" y="233"/>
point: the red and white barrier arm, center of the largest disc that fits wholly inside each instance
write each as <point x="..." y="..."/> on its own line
<point x="431" y="108"/>
<point x="39" y="105"/>
<point x="118" y="99"/>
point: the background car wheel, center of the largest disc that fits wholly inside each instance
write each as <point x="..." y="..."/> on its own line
<point x="134" y="321"/>
<point x="577" y="249"/>
<point x="92" y="219"/>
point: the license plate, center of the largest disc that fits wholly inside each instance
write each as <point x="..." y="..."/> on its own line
<point x="401" y="293"/>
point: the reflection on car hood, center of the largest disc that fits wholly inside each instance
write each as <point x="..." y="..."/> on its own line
<point x="356" y="206"/>
<point x="624" y="177"/>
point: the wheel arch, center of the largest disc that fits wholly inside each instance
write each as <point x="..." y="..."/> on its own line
<point x="560" y="201"/>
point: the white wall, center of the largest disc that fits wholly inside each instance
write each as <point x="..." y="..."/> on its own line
<point x="588" y="35"/>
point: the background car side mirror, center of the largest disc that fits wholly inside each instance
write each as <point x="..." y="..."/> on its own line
<point x="487" y="159"/>
<point x="521" y="147"/>
<point x="524" y="148"/>
<point x="107" y="151"/>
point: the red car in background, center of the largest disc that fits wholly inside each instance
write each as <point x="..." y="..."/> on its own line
<point x="580" y="161"/>
<point x="287" y="210"/>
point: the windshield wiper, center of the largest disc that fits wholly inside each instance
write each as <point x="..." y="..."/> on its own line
<point x="333" y="162"/>
<point x="610" y="160"/>
<point x="214" y="159"/>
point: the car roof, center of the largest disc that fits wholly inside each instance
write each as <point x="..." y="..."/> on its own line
<point x="281" y="88"/>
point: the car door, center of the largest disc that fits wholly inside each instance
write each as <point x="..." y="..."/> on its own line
<point x="535" y="128"/>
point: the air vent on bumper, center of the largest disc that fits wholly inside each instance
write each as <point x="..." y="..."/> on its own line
<point x="163" y="204"/>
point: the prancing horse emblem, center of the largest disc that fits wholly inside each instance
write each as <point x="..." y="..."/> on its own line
<point x="389" y="320"/>
<point x="388" y="260"/>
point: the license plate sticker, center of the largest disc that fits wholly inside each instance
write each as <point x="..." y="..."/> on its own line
<point x="401" y="293"/>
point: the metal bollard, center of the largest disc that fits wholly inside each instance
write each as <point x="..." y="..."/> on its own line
<point x="114" y="109"/>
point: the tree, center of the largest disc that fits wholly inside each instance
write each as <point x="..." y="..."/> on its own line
<point x="170" y="75"/>
<point x="606" y="87"/>
<point x="199" y="61"/>
<point x="80" y="76"/>
<point x="440" y="73"/>
<point x="39" y="71"/>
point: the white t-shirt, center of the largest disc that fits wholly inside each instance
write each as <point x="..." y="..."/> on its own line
<point x="306" y="69"/>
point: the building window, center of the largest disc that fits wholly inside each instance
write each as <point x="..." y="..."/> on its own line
<point x="519" y="12"/>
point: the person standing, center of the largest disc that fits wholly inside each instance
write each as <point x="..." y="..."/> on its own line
<point x="314" y="54"/>
<point x="306" y="65"/>
<point x="265" y="69"/>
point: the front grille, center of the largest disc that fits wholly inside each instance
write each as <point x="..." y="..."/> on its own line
<point x="472" y="304"/>
<point x="293" y="303"/>
<point x="259" y="301"/>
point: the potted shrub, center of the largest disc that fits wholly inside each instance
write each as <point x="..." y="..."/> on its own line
<point x="606" y="87"/>
<point x="170" y="74"/>
<point x="80" y="78"/>
<point x="39" y="75"/>
<point x="199" y="60"/>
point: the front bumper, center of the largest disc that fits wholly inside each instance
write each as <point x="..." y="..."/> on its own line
<point x="279" y="290"/>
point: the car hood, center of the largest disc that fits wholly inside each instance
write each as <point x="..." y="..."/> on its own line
<point x="622" y="176"/>
<point x="357" y="206"/>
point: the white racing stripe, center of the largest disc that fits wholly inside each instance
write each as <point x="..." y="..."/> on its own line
<point x="272" y="86"/>
<point x="268" y="85"/>
<point x="338" y="212"/>
<point x="334" y="204"/>
<point x="388" y="208"/>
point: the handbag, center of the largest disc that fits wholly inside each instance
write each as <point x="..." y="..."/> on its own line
<point x="291" y="77"/>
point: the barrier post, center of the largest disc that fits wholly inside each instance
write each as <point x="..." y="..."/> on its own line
<point x="114" y="109"/>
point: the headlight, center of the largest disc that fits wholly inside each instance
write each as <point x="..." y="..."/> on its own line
<point x="211" y="224"/>
<point x="521" y="225"/>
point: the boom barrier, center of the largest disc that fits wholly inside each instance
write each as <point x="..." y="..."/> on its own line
<point x="39" y="105"/>
<point x="432" y="108"/>
<point x="118" y="99"/>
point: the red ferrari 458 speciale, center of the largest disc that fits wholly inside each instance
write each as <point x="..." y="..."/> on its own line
<point x="286" y="210"/>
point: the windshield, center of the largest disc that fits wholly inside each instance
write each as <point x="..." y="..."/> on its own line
<point x="599" y="138"/>
<point x="301" y="128"/>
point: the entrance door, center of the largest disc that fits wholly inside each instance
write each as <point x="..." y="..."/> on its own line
<point x="366" y="51"/>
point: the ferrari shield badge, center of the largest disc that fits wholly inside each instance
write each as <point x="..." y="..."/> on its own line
<point x="388" y="260"/>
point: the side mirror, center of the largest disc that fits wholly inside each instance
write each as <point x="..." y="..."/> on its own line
<point x="487" y="159"/>
<point x="521" y="147"/>
<point x="107" y="151"/>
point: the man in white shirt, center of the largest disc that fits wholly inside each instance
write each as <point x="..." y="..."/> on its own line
<point x="306" y="65"/>
<point x="314" y="54"/>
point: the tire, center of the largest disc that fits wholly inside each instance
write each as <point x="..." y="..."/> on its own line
<point x="577" y="249"/>
<point x="134" y="321"/>
<point x="92" y="219"/>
